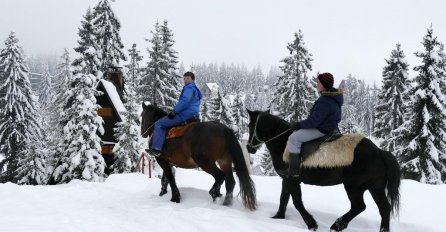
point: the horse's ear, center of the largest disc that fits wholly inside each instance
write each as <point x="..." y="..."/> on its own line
<point x="144" y="106"/>
<point x="249" y="112"/>
<point x="268" y="111"/>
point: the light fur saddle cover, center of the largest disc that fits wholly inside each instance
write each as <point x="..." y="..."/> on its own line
<point x="338" y="153"/>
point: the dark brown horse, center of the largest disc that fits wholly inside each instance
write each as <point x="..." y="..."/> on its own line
<point x="203" y="145"/>
<point x="372" y="169"/>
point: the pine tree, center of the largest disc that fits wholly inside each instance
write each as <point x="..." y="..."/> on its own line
<point x="32" y="168"/>
<point x="266" y="163"/>
<point x="89" y="61"/>
<point x="219" y="111"/>
<point x="134" y="74"/>
<point x="81" y="150"/>
<point x="422" y="152"/>
<point x="159" y="82"/>
<point x="46" y="90"/>
<point x="294" y="92"/>
<point x="239" y="116"/>
<point x="391" y="98"/>
<point x="107" y="35"/>
<point x="19" y="122"/>
<point x="127" y="133"/>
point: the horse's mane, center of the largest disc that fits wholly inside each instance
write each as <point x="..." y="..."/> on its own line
<point x="274" y="118"/>
<point x="156" y="109"/>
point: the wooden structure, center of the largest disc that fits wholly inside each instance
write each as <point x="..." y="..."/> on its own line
<point x="111" y="102"/>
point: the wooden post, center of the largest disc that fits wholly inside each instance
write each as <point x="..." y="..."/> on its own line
<point x="142" y="163"/>
<point x="150" y="168"/>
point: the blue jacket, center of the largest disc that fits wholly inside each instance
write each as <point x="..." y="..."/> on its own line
<point x="188" y="105"/>
<point x="326" y="112"/>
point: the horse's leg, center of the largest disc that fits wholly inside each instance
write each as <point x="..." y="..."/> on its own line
<point x="218" y="175"/>
<point x="229" y="181"/>
<point x="293" y="185"/>
<point x="379" y="195"/>
<point x="168" y="174"/>
<point x="284" y="199"/>
<point x="356" y="197"/>
<point x="164" y="183"/>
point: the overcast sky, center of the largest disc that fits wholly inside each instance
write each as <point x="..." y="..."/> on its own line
<point x="347" y="36"/>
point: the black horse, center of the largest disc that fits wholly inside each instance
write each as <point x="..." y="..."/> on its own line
<point x="372" y="169"/>
<point x="203" y="145"/>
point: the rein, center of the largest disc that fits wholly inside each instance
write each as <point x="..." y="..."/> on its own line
<point x="149" y="128"/>
<point x="258" y="139"/>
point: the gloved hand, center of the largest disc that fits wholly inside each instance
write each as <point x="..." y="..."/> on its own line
<point x="295" y="126"/>
<point x="171" y="114"/>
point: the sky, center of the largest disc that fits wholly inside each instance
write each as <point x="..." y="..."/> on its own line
<point x="344" y="36"/>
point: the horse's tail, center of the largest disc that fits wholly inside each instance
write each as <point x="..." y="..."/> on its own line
<point x="393" y="180"/>
<point x="247" y="188"/>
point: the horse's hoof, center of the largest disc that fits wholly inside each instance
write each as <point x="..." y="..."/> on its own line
<point x="162" y="192"/>
<point x="279" y="216"/>
<point x="313" y="228"/>
<point x="227" y="201"/>
<point x="176" y="200"/>
<point x="383" y="230"/>
<point x="338" y="226"/>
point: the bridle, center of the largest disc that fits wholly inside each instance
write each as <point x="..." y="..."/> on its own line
<point x="254" y="136"/>
<point x="148" y="128"/>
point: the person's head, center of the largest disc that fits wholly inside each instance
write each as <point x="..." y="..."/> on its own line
<point x="324" y="81"/>
<point x="188" y="77"/>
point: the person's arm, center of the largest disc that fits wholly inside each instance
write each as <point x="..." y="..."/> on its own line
<point x="318" y="115"/>
<point x="184" y="100"/>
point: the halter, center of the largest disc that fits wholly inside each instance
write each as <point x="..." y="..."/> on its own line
<point x="258" y="139"/>
<point x="148" y="128"/>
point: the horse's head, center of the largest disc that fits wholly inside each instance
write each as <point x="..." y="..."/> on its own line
<point x="150" y="114"/>
<point x="254" y="142"/>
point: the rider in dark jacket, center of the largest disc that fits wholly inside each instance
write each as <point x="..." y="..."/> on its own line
<point x="323" y="119"/>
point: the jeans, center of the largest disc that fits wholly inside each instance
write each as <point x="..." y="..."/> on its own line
<point x="161" y="128"/>
<point x="300" y="136"/>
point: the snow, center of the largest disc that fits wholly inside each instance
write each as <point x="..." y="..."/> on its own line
<point x="130" y="202"/>
<point x="114" y="97"/>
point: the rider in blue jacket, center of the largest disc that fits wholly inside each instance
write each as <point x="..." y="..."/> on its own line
<point x="188" y="107"/>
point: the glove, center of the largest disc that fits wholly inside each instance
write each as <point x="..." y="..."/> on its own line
<point x="171" y="115"/>
<point x="295" y="126"/>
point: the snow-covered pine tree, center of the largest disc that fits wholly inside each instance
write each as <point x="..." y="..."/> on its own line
<point x="32" y="167"/>
<point x="128" y="135"/>
<point x="107" y="28"/>
<point x="294" y="92"/>
<point x="19" y="121"/>
<point x="57" y="116"/>
<point x="46" y="90"/>
<point x="127" y="132"/>
<point x="266" y="163"/>
<point x="389" y="112"/>
<point x="88" y="49"/>
<point x="159" y="84"/>
<point x="81" y="150"/>
<point x="239" y="116"/>
<point x="204" y="114"/>
<point x="134" y="71"/>
<point x="219" y="110"/>
<point x="350" y="122"/>
<point x="422" y="153"/>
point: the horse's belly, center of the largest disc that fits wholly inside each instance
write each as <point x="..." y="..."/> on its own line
<point x="182" y="162"/>
<point x="322" y="176"/>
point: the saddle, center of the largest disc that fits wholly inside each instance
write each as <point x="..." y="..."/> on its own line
<point x="178" y="131"/>
<point x="312" y="146"/>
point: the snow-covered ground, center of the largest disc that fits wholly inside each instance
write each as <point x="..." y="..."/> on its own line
<point x="130" y="202"/>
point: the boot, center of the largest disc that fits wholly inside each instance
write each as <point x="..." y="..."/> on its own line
<point x="294" y="169"/>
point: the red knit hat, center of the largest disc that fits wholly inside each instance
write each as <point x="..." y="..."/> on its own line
<point x="326" y="80"/>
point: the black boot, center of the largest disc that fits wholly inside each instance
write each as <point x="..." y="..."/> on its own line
<point x="294" y="169"/>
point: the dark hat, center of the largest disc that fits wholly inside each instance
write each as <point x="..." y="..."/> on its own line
<point x="326" y="80"/>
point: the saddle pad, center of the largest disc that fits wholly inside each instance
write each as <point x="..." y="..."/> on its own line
<point x="339" y="153"/>
<point x="178" y="131"/>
